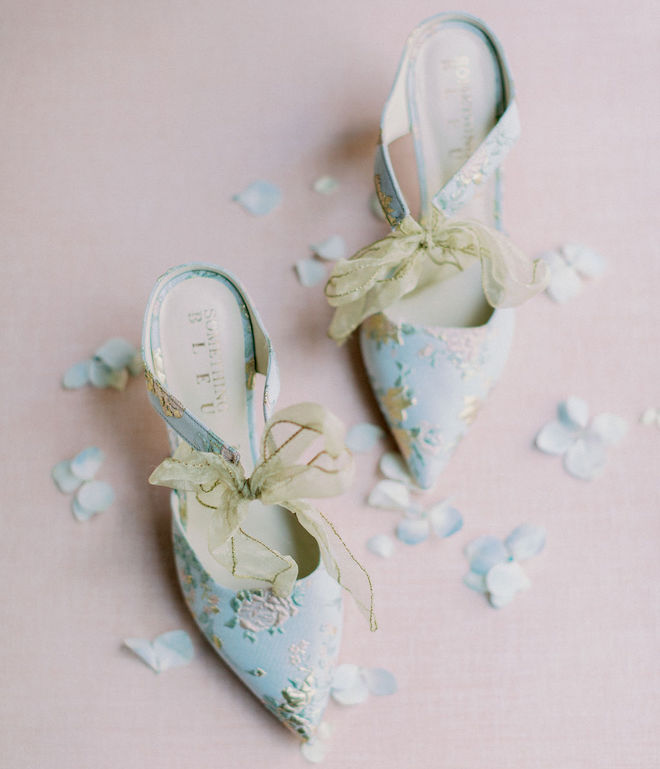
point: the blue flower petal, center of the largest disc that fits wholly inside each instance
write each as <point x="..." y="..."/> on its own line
<point x="259" y="198"/>
<point x="484" y="552"/>
<point x="77" y="376"/>
<point x="445" y="520"/>
<point x="169" y="650"/>
<point x="555" y="438"/>
<point x="116" y="353"/>
<point x="585" y="459"/>
<point x="310" y="272"/>
<point x="475" y="582"/>
<point x="379" y="681"/>
<point x="412" y="531"/>
<point x="79" y="512"/>
<point x="64" y="478"/>
<point x="585" y="260"/>
<point x="573" y="412"/>
<point x="381" y="545"/>
<point x="363" y="437"/>
<point x="609" y="428"/>
<point x="326" y="185"/>
<point x="86" y="464"/>
<point x="331" y="249"/>
<point x="389" y="495"/>
<point x="525" y="541"/>
<point x="503" y="581"/>
<point x="95" y="496"/>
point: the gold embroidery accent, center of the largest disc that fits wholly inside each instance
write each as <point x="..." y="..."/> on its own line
<point x="385" y="200"/>
<point x="471" y="406"/>
<point x="170" y="406"/>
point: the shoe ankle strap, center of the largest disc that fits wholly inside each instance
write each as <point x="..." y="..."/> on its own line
<point x="397" y="117"/>
<point x="174" y="413"/>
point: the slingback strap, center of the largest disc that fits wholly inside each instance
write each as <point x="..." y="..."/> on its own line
<point x="397" y="117"/>
<point x="174" y="413"/>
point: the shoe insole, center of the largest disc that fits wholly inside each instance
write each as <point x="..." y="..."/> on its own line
<point x="455" y="90"/>
<point x="204" y="330"/>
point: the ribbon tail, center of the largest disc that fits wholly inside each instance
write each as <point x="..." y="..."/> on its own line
<point x="247" y="557"/>
<point x="338" y="560"/>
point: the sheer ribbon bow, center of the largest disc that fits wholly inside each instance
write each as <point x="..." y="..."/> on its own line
<point x="302" y="455"/>
<point x="383" y="272"/>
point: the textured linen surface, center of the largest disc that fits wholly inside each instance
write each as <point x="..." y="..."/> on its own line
<point x="127" y="127"/>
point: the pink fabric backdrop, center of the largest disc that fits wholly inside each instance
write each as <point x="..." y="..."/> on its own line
<point x="127" y="126"/>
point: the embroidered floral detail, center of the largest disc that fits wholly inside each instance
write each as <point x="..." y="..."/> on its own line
<point x="298" y="653"/>
<point x="291" y="710"/>
<point x="169" y="405"/>
<point x="471" y="406"/>
<point x="380" y="329"/>
<point x="261" y="609"/>
<point x="396" y="401"/>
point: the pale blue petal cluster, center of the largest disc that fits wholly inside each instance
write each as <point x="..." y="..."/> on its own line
<point x="582" y="444"/>
<point x="109" y="366"/>
<point x="495" y="570"/>
<point x="76" y="476"/>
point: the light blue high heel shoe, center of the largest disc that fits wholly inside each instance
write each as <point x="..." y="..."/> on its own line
<point x="259" y="567"/>
<point x="433" y="298"/>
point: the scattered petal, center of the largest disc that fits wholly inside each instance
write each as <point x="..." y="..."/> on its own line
<point x="348" y="685"/>
<point x="86" y="464"/>
<point x="525" y="541"/>
<point x="314" y="750"/>
<point x="651" y="416"/>
<point x="169" y="650"/>
<point x="585" y="260"/>
<point x="475" y="582"/>
<point x="324" y="730"/>
<point x="445" y="519"/>
<point x="331" y="249"/>
<point x="565" y="283"/>
<point x="116" y="353"/>
<point x="504" y="580"/>
<point x="345" y="676"/>
<point x="259" y="198"/>
<point x="555" y="438"/>
<point x="376" y="208"/>
<point x="485" y="552"/>
<point x="95" y="496"/>
<point x="81" y="513"/>
<point x="326" y="185"/>
<point x="363" y="437"/>
<point x="610" y="428"/>
<point x="393" y="466"/>
<point x="310" y="272"/>
<point x="585" y="459"/>
<point x="412" y="531"/>
<point x="379" y="681"/>
<point x="77" y="376"/>
<point x="64" y="478"/>
<point x="381" y="545"/>
<point x="136" y="366"/>
<point x="101" y="375"/>
<point x="389" y="495"/>
<point x="573" y="412"/>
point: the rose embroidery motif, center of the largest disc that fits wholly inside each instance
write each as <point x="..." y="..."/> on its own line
<point x="258" y="610"/>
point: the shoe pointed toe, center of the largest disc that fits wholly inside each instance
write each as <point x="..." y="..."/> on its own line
<point x="283" y="649"/>
<point x="430" y="383"/>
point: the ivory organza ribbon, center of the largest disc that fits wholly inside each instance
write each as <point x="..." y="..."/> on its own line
<point x="302" y="455"/>
<point x="378" y="275"/>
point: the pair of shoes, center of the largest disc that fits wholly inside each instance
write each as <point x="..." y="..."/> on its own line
<point x="261" y="569"/>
